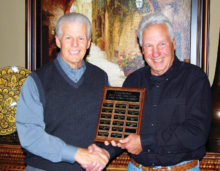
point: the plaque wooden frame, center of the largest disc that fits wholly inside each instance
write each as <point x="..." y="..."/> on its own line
<point x="120" y="113"/>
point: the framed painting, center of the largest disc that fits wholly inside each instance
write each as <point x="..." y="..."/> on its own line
<point x="114" y="45"/>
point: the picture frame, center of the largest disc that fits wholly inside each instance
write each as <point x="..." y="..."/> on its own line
<point x="200" y="33"/>
<point x="35" y="36"/>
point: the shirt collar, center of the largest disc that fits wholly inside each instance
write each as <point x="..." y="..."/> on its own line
<point x="73" y="74"/>
<point x="66" y="67"/>
<point x="167" y="75"/>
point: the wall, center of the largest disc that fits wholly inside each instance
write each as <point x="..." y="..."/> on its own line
<point x="213" y="35"/>
<point x="12" y="32"/>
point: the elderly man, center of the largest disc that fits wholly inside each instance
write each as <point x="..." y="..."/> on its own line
<point x="59" y="104"/>
<point x="177" y="110"/>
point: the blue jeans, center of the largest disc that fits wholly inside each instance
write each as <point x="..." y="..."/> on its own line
<point x="132" y="167"/>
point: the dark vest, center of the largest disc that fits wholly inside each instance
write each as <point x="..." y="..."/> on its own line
<point x="70" y="109"/>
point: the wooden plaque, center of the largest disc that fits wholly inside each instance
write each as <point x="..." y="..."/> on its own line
<point x="120" y="113"/>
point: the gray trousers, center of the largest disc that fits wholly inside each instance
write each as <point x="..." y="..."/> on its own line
<point x="30" y="168"/>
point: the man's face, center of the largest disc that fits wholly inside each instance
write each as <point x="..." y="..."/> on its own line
<point x="73" y="43"/>
<point x="158" y="48"/>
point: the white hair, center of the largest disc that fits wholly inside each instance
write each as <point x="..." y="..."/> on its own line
<point x="151" y="19"/>
<point x="72" y="17"/>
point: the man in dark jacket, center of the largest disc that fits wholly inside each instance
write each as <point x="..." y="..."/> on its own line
<point x="177" y="109"/>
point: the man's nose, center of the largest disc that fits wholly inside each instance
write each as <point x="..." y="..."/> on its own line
<point x="156" y="52"/>
<point x="75" y="42"/>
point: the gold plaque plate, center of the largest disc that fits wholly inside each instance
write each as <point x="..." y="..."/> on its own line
<point x="11" y="81"/>
<point x="120" y="113"/>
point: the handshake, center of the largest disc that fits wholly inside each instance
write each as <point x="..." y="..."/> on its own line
<point x="95" y="158"/>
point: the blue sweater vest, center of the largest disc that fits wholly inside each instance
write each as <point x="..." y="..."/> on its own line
<point x="70" y="109"/>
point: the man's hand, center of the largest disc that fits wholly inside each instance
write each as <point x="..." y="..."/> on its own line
<point x="95" y="159"/>
<point x="94" y="147"/>
<point x="95" y="166"/>
<point x="132" y="143"/>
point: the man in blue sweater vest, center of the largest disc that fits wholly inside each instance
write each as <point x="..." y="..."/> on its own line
<point x="177" y="109"/>
<point x="59" y="104"/>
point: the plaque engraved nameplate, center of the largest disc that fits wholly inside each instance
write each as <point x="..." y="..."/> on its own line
<point x="120" y="113"/>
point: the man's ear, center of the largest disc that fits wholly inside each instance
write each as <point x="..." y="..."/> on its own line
<point x="174" y="43"/>
<point x="88" y="44"/>
<point x="58" y="41"/>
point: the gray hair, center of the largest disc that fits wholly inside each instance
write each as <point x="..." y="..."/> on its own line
<point x="151" y="19"/>
<point x="72" y="17"/>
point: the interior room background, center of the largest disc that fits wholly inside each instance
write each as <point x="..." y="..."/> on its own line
<point x="12" y="33"/>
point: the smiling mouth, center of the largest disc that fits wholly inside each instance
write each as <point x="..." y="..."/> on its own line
<point x="158" y="60"/>
<point x="74" y="52"/>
